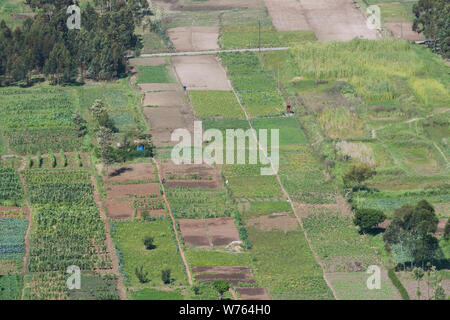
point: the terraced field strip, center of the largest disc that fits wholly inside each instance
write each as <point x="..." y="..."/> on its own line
<point x="286" y="194"/>
<point x="174" y="227"/>
<point x="214" y="52"/>
<point x="109" y="243"/>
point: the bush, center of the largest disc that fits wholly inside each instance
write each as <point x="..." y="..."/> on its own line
<point x="357" y="174"/>
<point x="396" y="282"/>
<point x="367" y="219"/>
<point x="165" y="276"/>
<point x="148" y="242"/>
<point x="221" y="286"/>
<point x="141" y="275"/>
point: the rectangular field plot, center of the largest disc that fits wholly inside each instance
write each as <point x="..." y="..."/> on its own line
<point x="215" y="104"/>
<point x="286" y="265"/>
<point x="153" y="74"/>
<point x="12" y="241"/>
<point x="337" y="242"/>
<point x="38" y="120"/>
<point x="130" y="190"/>
<point x="208" y="232"/>
<point x="134" y="172"/>
<point x="59" y="186"/>
<point x="11" y="192"/>
<point x="10" y="287"/>
<point x="129" y="236"/>
<point x="254" y="187"/>
<point x="200" y="203"/>
<point x="352" y="286"/>
<point x="202" y="258"/>
<point x="255" y="87"/>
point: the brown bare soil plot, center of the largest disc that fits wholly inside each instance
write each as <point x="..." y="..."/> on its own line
<point x="194" y="38"/>
<point x="153" y="61"/>
<point x="201" y="73"/>
<point x="190" y="175"/>
<point x="164" y="99"/>
<point x="210" y="5"/>
<point x="192" y="184"/>
<point x="130" y="172"/>
<point x="253" y="293"/>
<point x="148" y="87"/>
<point x="194" y="232"/>
<point x="274" y="222"/>
<point x="208" y="232"/>
<point x="117" y="209"/>
<point x="129" y="190"/>
<point x="330" y="20"/>
<point x="403" y="30"/>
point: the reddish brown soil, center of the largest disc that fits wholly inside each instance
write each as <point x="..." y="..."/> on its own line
<point x="222" y="231"/>
<point x="152" y="213"/>
<point x="274" y="222"/>
<point x="129" y="190"/>
<point x="130" y="172"/>
<point x="208" y="232"/>
<point x="118" y="209"/>
<point x="148" y="87"/>
<point x="194" y="232"/>
<point x="253" y="293"/>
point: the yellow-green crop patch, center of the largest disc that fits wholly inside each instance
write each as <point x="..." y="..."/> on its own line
<point x="215" y="104"/>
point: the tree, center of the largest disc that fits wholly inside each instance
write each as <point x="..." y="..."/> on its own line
<point x="357" y="174"/>
<point x="141" y="275"/>
<point x="165" y="276"/>
<point x="447" y="230"/>
<point x="415" y="226"/>
<point x="148" y="242"/>
<point x="418" y="274"/>
<point x="367" y="219"/>
<point x="101" y="116"/>
<point x="79" y="123"/>
<point x="60" y="65"/>
<point x="221" y="287"/>
<point x="432" y="18"/>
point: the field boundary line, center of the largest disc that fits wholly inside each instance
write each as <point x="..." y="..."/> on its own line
<point x="27" y="233"/>
<point x="180" y="249"/>
<point x="299" y="220"/>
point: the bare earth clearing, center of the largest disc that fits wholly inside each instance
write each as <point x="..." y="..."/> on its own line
<point x="208" y="5"/>
<point x="130" y="172"/>
<point x="411" y="286"/>
<point x="194" y="38"/>
<point x="403" y="30"/>
<point x="208" y="232"/>
<point x="129" y="190"/>
<point x="201" y="73"/>
<point x="330" y="20"/>
<point x="274" y="222"/>
<point x="190" y="175"/>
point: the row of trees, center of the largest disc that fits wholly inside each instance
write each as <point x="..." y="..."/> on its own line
<point x="432" y="18"/>
<point x="45" y="45"/>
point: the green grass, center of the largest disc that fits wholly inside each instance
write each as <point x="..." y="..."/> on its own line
<point x="263" y="208"/>
<point x="337" y="242"/>
<point x="215" y="104"/>
<point x="153" y="74"/>
<point x="10" y="287"/>
<point x="153" y="294"/>
<point x="211" y="258"/>
<point x="249" y="37"/>
<point x="129" y="236"/>
<point x="286" y="266"/>
<point x="254" y="187"/>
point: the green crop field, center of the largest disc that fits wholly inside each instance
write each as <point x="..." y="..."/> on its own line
<point x="129" y="237"/>
<point x="153" y="74"/>
<point x="215" y="104"/>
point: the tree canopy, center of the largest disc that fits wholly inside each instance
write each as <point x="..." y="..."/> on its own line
<point x="44" y="44"/>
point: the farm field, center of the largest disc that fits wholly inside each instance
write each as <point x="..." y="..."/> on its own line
<point x="87" y="177"/>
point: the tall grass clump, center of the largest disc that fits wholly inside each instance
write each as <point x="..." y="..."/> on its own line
<point x="382" y="70"/>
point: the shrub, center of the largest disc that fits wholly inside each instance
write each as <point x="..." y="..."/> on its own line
<point x="396" y="282"/>
<point x="221" y="286"/>
<point x="367" y="219"/>
<point x="165" y="276"/>
<point x="52" y="160"/>
<point x="447" y="230"/>
<point x="357" y="174"/>
<point x="148" y="242"/>
<point x="141" y="275"/>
